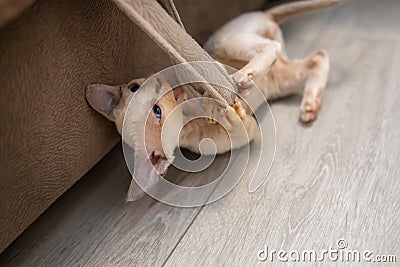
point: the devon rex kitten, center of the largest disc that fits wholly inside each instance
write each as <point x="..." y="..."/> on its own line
<point x="112" y="102"/>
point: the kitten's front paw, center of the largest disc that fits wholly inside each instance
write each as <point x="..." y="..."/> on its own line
<point x="242" y="81"/>
<point x="239" y="110"/>
<point x="234" y="115"/>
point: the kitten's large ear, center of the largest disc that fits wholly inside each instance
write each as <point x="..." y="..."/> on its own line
<point x="134" y="192"/>
<point x="104" y="98"/>
<point x="172" y="79"/>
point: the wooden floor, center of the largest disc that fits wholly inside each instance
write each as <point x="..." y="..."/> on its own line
<point x="338" y="178"/>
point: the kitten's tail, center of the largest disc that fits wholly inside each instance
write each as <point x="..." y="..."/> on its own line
<point x="284" y="12"/>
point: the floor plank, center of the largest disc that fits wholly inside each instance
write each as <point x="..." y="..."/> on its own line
<point x="337" y="178"/>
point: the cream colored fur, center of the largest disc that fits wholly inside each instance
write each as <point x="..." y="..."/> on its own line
<point x="254" y="44"/>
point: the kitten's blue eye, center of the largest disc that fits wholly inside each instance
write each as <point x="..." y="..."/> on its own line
<point x="134" y="87"/>
<point x="157" y="111"/>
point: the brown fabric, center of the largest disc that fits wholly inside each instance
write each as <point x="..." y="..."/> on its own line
<point x="49" y="136"/>
<point x="10" y="9"/>
<point x="169" y="6"/>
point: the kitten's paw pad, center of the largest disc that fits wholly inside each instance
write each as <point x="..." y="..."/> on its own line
<point x="309" y="109"/>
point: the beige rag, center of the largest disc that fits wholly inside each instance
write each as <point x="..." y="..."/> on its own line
<point x="167" y="31"/>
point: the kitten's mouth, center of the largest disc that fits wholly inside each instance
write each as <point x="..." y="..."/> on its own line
<point x="148" y="170"/>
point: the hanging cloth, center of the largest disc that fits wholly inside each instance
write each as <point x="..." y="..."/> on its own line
<point x="162" y="23"/>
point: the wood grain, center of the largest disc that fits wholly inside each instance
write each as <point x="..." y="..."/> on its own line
<point x="337" y="178"/>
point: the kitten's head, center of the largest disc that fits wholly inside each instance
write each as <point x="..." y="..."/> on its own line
<point x="112" y="102"/>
